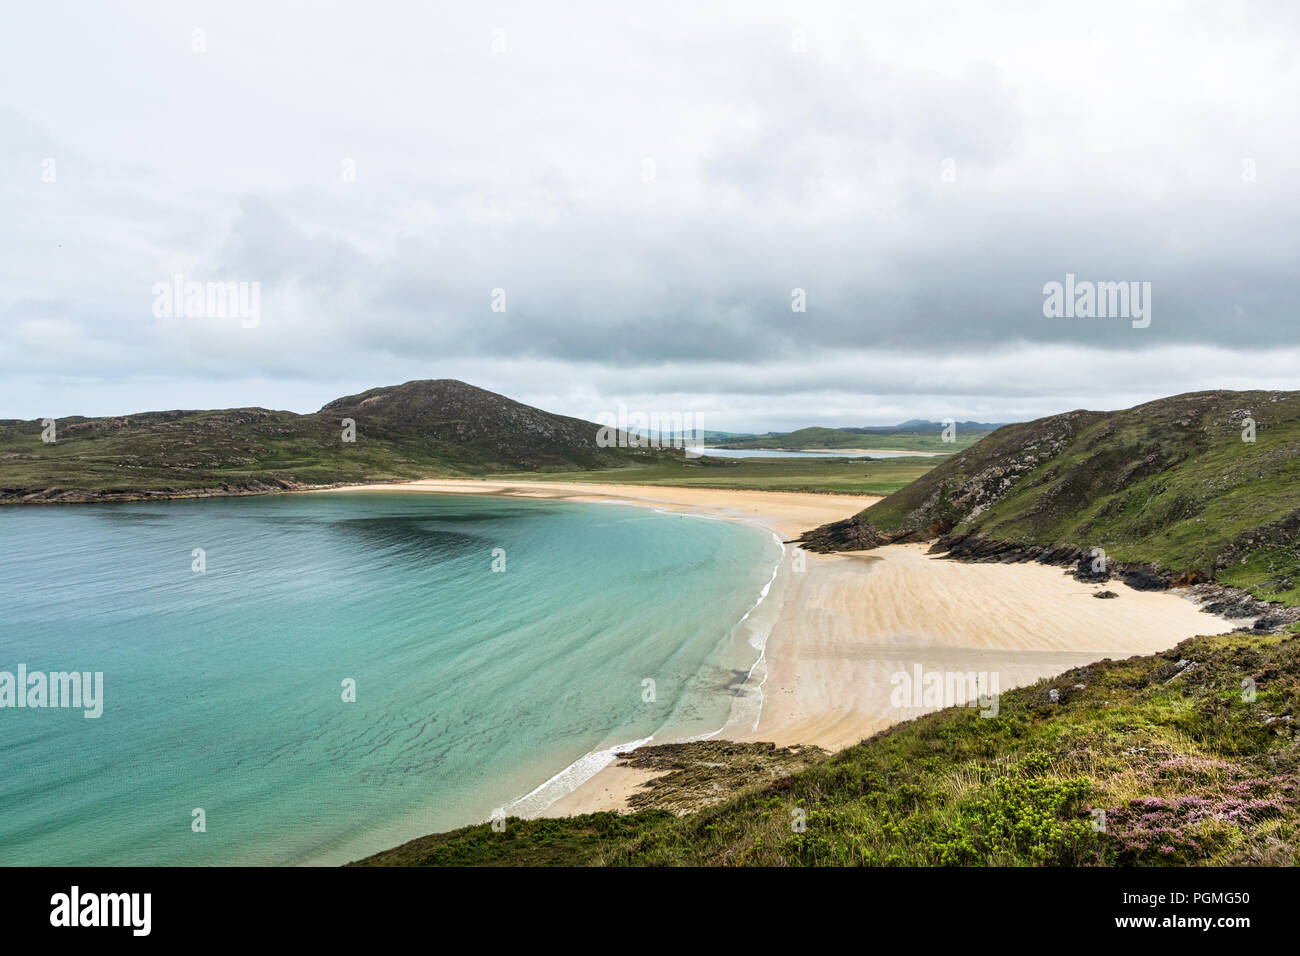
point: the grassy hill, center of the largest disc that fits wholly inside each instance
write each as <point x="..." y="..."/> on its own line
<point x="419" y="429"/>
<point x="1169" y="490"/>
<point x="1184" y="768"/>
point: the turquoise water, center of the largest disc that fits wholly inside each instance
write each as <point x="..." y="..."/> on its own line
<point x="223" y="689"/>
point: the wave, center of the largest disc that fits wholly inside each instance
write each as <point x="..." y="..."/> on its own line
<point x="569" y="779"/>
<point x="587" y="766"/>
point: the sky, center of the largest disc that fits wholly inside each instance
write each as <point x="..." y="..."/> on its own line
<point x="588" y="205"/>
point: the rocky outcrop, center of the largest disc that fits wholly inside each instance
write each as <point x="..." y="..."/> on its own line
<point x="704" y="772"/>
<point x="1235" y="603"/>
<point x="851" y="535"/>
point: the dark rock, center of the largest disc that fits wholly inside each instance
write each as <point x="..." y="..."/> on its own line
<point x="1234" y="603"/>
<point x="1083" y="570"/>
<point x="849" y="535"/>
<point x="1234" y="606"/>
<point x="1277" y="619"/>
<point x="1144" y="577"/>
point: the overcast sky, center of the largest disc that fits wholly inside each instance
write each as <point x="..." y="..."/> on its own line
<point x="648" y="182"/>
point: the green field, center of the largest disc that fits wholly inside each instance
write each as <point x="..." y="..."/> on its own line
<point x="883" y="440"/>
<point x="824" y="475"/>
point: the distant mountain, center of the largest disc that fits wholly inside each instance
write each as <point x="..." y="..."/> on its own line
<point x="1198" y="487"/>
<point x="424" y="428"/>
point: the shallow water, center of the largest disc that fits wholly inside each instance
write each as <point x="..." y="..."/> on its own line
<point x="223" y="690"/>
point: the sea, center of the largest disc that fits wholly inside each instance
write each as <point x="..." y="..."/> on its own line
<point x="311" y="678"/>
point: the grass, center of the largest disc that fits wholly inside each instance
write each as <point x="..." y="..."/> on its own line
<point x="817" y="475"/>
<point x="191" y="450"/>
<point x="1153" y="760"/>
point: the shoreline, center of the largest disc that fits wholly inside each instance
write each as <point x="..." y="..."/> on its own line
<point x="844" y="626"/>
<point x="581" y="785"/>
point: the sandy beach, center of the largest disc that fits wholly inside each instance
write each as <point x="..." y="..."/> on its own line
<point x="847" y="624"/>
<point x="857" y="619"/>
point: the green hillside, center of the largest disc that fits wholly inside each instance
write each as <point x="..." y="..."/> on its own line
<point x="420" y="429"/>
<point x="1170" y="486"/>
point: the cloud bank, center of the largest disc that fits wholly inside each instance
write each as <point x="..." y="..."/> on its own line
<point x="646" y="190"/>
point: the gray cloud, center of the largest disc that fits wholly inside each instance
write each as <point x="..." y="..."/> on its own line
<point x="1098" y="141"/>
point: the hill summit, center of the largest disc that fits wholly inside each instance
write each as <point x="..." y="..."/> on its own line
<point x="439" y="427"/>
